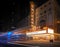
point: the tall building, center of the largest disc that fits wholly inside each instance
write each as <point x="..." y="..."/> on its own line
<point x="43" y="16"/>
<point x="48" y="15"/>
<point x="32" y="16"/>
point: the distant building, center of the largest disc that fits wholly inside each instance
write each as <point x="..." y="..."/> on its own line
<point x="48" y="14"/>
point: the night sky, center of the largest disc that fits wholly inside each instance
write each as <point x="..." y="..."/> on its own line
<point x="13" y="11"/>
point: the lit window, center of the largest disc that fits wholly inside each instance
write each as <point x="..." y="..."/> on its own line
<point x="32" y="19"/>
<point x="32" y="9"/>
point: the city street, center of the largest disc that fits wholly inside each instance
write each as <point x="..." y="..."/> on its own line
<point x="37" y="43"/>
<point x="30" y="23"/>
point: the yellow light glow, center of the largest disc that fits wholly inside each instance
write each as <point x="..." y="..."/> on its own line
<point x="32" y="22"/>
<point x="51" y="36"/>
<point x="32" y="19"/>
<point x="42" y="34"/>
<point x="32" y="9"/>
<point x="50" y="30"/>
<point x="36" y="32"/>
<point x="32" y="25"/>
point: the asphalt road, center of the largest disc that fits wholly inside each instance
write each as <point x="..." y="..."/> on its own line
<point x="36" y="43"/>
<point x="10" y="45"/>
<point x="29" y="44"/>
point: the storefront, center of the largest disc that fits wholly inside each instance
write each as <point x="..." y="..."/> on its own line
<point x="38" y="35"/>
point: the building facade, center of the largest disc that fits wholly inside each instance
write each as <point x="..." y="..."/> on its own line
<point x="48" y="15"/>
